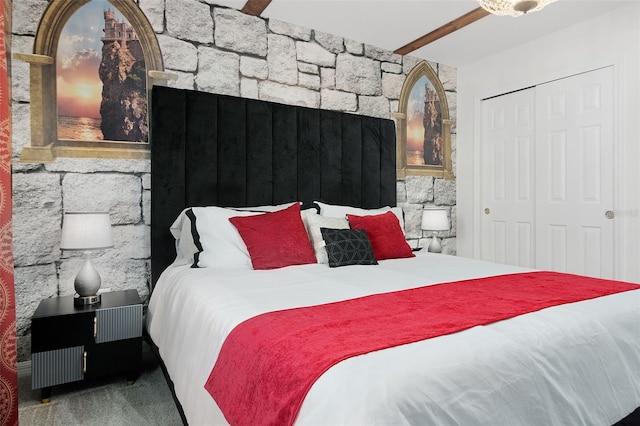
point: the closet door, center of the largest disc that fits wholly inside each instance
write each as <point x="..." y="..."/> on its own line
<point x="508" y="179"/>
<point x="547" y="176"/>
<point x="574" y="174"/>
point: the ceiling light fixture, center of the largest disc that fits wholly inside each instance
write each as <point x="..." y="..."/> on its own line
<point x="513" y="7"/>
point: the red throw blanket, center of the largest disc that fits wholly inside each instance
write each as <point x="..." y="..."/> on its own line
<point x="268" y="363"/>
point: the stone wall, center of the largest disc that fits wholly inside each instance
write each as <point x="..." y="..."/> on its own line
<point x="212" y="49"/>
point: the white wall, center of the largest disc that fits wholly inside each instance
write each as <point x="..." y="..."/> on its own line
<point x="611" y="39"/>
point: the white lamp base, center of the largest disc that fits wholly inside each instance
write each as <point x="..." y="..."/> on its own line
<point x="435" y="247"/>
<point x="87" y="283"/>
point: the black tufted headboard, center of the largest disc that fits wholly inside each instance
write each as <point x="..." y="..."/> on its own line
<point x="209" y="149"/>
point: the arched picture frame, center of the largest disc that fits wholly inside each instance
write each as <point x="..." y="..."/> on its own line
<point x="124" y="27"/>
<point x="423" y="126"/>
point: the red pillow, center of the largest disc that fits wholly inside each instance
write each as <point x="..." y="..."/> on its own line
<point x="384" y="233"/>
<point x="276" y="239"/>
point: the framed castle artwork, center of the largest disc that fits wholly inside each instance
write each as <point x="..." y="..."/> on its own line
<point x="100" y="78"/>
<point x="89" y="81"/>
<point x="423" y="127"/>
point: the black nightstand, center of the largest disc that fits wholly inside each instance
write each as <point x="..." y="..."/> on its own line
<point x="70" y="343"/>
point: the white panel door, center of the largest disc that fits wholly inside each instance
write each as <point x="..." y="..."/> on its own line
<point x="574" y="174"/>
<point x="508" y="179"/>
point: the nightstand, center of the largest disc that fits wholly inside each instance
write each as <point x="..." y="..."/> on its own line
<point x="71" y="343"/>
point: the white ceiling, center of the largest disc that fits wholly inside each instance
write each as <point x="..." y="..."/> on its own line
<point x="390" y="24"/>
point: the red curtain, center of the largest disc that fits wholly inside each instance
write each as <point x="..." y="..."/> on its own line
<point x="8" y="363"/>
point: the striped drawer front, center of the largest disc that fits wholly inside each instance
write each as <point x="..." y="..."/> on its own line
<point x="55" y="367"/>
<point x="120" y="323"/>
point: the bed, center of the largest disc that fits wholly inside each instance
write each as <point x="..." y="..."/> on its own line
<point x="573" y="363"/>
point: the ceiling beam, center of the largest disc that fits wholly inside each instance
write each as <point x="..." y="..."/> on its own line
<point x="444" y="30"/>
<point x="255" y="7"/>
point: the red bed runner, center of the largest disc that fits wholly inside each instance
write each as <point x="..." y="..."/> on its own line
<point x="268" y="363"/>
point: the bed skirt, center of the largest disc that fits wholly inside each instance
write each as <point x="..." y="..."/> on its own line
<point x="632" y="419"/>
<point x="156" y="353"/>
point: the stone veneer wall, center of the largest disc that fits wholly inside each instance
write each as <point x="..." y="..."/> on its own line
<point x="212" y="49"/>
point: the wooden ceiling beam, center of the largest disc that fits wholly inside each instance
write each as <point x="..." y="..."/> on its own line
<point x="444" y="30"/>
<point x="255" y="7"/>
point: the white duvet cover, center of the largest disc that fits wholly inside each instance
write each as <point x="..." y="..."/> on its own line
<point x="572" y="364"/>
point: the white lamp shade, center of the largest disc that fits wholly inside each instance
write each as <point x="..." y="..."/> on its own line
<point x="435" y="220"/>
<point x="86" y="231"/>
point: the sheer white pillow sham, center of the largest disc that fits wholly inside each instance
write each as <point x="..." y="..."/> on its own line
<point x="334" y="210"/>
<point x="313" y="222"/>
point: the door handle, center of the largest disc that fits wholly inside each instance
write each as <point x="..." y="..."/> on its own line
<point x="487" y="210"/>
<point x="609" y="214"/>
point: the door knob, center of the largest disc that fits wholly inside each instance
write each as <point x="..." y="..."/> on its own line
<point x="487" y="210"/>
<point x="609" y="214"/>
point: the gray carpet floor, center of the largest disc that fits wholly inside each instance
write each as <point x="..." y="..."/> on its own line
<point x="107" y="401"/>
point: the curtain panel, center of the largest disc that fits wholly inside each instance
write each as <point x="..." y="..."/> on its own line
<point x="8" y="363"/>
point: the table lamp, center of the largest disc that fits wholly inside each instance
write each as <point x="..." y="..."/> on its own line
<point x="435" y="219"/>
<point x="86" y="231"/>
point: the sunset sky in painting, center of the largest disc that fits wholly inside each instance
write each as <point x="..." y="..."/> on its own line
<point x="415" y="113"/>
<point x="79" y="88"/>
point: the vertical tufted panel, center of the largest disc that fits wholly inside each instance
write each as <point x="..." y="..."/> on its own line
<point x="168" y="185"/>
<point x="200" y="147"/>
<point x="260" y="153"/>
<point x="285" y="156"/>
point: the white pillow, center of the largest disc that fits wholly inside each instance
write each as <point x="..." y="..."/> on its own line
<point x="222" y="235"/>
<point x="222" y="246"/>
<point x="181" y="231"/>
<point x="333" y="210"/>
<point x="313" y="222"/>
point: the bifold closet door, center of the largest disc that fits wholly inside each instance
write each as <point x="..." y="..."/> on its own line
<point x="574" y="174"/>
<point x="508" y="179"/>
<point x="547" y="176"/>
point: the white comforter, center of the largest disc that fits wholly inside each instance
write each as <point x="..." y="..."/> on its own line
<point x="572" y="364"/>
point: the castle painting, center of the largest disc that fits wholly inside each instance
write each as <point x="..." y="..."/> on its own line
<point x="424" y="125"/>
<point x="100" y="77"/>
